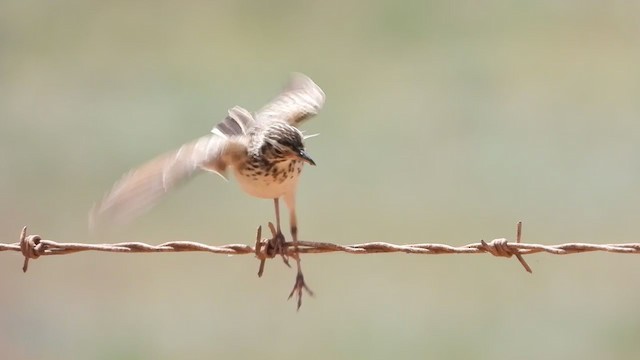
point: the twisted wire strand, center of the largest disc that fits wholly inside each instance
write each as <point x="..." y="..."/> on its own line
<point x="34" y="246"/>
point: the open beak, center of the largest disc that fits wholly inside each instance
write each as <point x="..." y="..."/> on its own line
<point x="304" y="156"/>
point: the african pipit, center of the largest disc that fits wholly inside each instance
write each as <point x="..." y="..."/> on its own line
<point x="265" y="151"/>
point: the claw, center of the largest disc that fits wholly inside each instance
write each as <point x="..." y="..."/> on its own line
<point x="297" y="289"/>
<point x="279" y="243"/>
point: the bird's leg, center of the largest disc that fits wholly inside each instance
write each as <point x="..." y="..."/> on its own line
<point x="276" y="205"/>
<point x="278" y="240"/>
<point x="293" y="222"/>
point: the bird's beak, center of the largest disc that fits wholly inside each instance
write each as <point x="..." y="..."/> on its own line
<point x="304" y="156"/>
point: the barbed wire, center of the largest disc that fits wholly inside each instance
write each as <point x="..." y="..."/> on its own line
<point x="34" y="246"/>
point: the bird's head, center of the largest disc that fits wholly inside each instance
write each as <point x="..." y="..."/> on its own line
<point x="285" y="141"/>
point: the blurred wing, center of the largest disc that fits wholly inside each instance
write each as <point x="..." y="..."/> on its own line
<point x="140" y="189"/>
<point x="300" y="100"/>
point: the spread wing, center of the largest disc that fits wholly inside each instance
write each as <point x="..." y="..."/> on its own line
<point x="300" y="100"/>
<point x="141" y="189"/>
<point x="238" y="122"/>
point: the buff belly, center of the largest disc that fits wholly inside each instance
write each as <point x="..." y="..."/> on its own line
<point x="281" y="179"/>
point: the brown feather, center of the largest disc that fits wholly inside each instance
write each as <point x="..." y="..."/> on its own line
<point x="300" y="100"/>
<point x="140" y="189"/>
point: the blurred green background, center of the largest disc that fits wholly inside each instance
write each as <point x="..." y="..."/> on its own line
<point x="444" y="123"/>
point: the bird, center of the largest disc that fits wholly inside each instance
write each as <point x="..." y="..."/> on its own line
<point x="264" y="150"/>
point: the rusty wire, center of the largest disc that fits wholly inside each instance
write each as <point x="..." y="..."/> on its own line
<point x="34" y="246"/>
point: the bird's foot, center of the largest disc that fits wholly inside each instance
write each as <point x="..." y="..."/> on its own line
<point x="279" y="244"/>
<point x="269" y="248"/>
<point x="298" y="287"/>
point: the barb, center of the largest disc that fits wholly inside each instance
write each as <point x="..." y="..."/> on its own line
<point x="34" y="246"/>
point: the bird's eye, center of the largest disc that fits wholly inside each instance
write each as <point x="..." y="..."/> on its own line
<point x="278" y="150"/>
